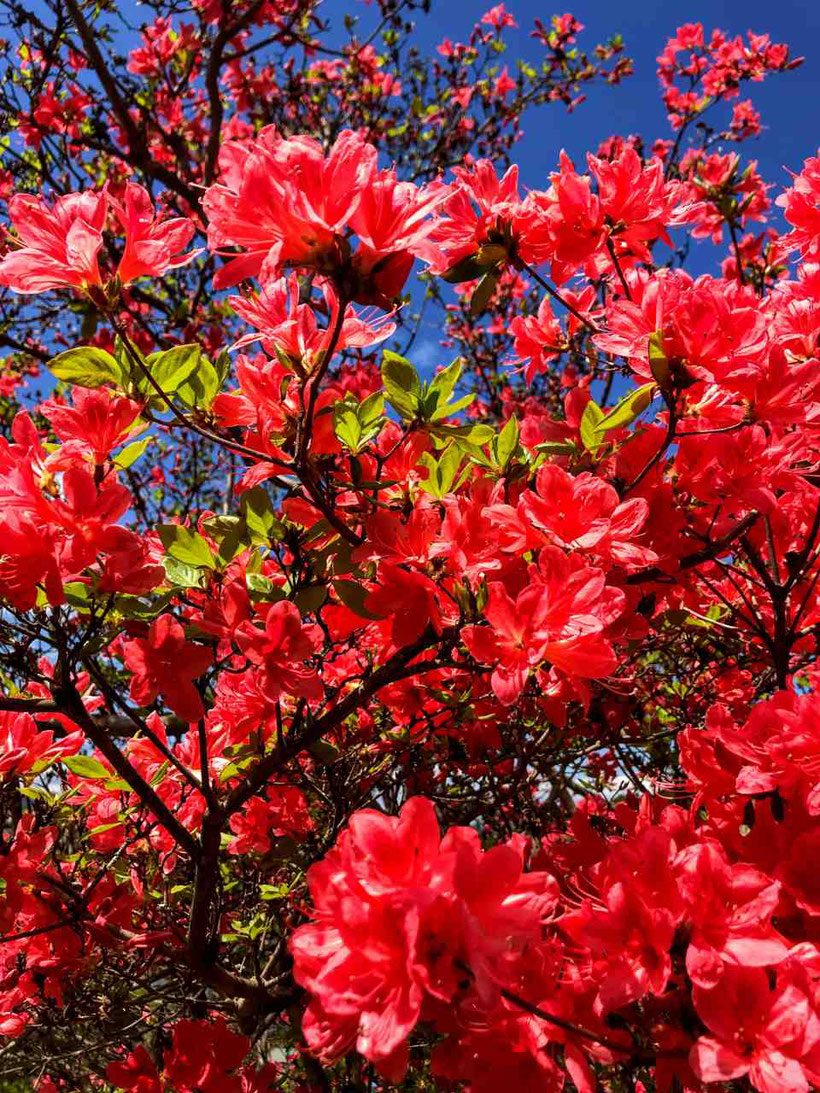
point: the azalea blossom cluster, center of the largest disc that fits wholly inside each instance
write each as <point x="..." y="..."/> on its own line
<point x="60" y="244"/>
<point x="363" y="723"/>
<point x="649" y="914"/>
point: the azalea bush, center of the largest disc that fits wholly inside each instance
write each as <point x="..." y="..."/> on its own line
<point x="367" y="724"/>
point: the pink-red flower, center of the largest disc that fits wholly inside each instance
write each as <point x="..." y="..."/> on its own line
<point x="60" y="243"/>
<point x="280" y="651"/>
<point x="282" y="200"/>
<point x="152" y="246"/>
<point x="560" y="617"/>
<point x="165" y="663"/>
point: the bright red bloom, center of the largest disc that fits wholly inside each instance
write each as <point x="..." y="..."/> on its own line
<point x="801" y="207"/>
<point x="165" y="663"/>
<point x="582" y="512"/>
<point x="759" y="1030"/>
<point x="282" y="812"/>
<point x="560" y="617"/>
<point x="280" y="650"/>
<point x="410" y="599"/>
<point x="61" y="243"/>
<point x="136" y="1072"/>
<point x="709" y="327"/>
<point x="563" y="225"/>
<point x="779" y="748"/>
<point x="460" y="231"/>
<point x="731" y="907"/>
<point x="23" y="745"/>
<point x="498" y="17"/>
<point x="289" y="326"/>
<point x="399" y="915"/>
<point x="285" y="201"/>
<point x="539" y="339"/>
<point x="636" y="200"/>
<point x="629" y="928"/>
<point x="714" y="180"/>
<point x="97" y="421"/>
<point x="202" y="1055"/>
<point x="391" y="221"/>
<point x="152" y="246"/>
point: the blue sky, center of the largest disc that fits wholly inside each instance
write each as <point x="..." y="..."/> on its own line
<point x="787" y="102"/>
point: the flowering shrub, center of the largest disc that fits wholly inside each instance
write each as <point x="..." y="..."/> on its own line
<point x="368" y="725"/>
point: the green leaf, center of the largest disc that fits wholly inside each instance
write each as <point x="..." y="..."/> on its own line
<point x="442" y="471"/>
<point x="86" y="366"/>
<point x="630" y="407"/>
<point x="274" y="891"/>
<point x="371" y="409"/>
<point x="658" y="361"/>
<point x="137" y="607"/>
<point x="506" y="442"/>
<point x="353" y="595"/>
<point x="104" y="827"/>
<point x="261" y="587"/>
<point x="591" y="418"/>
<point x="444" y="382"/>
<point x="357" y="423"/>
<point x="183" y="575"/>
<point x="260" y="519"/>
<point x="466" y="270"/>
<point x="220" y="526"/>
<point x="130" y="454"/>
<point x="172" y="367"/>
<point x="78" y="594"/>
<point x="159" y="774"/>
<point x="85" y="766"/>
<point x="346" y="425"/>
<point x="483" y="293"/>
<point x="310" y="599"/>
<point x="402" y="384"/>
<point x="556" y="447"/>
<point x="185" y="545"/>
<point x="231" y="545"/>
<point x="201" y="387"/>
<point x="222" y="366"/>
<point x="324" y="751"/>
<point x="37" y="793"/>
<point x="473" y="436"/>
<point x="449" y="410"/>
<point x="230" y="532"/>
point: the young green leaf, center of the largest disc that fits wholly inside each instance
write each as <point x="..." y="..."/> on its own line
<point x="402" y="384"/>
<point x="130" y="454"/>
<point x="353" y="595"/>
<point x="185" y="545"/>
<point x="172" y="367"/>
<point x="483" y="292"/>
<point x="506" y="442"/>
<point x="658" y="362"/>
<point x="591" y="418"/>
<point x="442" y="472"/>
<point x="259" y="517"/>
<point x="85" y="766"/>
<point x="201" y="387"/>
<point x="86" y="366"/>
<point x="630" y="407"/>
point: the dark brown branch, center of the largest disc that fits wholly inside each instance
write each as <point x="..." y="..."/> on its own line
<point x="138" y="145"/>
<point x="388" y="673"/>
<point x="68" y="700"/>
<point x="689" y="561"/>
<point x="212" y="72"/>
